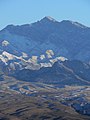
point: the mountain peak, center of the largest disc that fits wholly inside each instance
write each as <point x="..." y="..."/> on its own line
<point x="48" y="18"/>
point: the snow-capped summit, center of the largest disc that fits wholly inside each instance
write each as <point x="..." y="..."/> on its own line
<point x="48" y="18"/>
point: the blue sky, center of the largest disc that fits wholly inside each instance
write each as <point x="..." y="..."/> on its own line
<point x="28" y="11"/>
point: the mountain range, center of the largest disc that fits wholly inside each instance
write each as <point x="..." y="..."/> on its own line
<point x="66" y="38"/>
<point x="43" y="48"/>
<point x="45" y="71"/>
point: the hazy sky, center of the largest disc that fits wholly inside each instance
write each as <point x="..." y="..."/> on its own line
<point x="28" y="11"/>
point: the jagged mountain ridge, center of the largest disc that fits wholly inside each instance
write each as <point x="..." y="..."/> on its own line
<point x="60" y="74"/>
<point x="65" y="38"/>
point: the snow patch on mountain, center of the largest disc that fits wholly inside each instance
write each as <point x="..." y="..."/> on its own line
<point x="5" y="43"/>
<point x="50" y="18"/>
<point x="13" y="62"/>
<point x="17" y="44"/>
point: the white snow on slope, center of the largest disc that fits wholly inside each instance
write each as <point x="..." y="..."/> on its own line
<point x="5" y="43"/>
